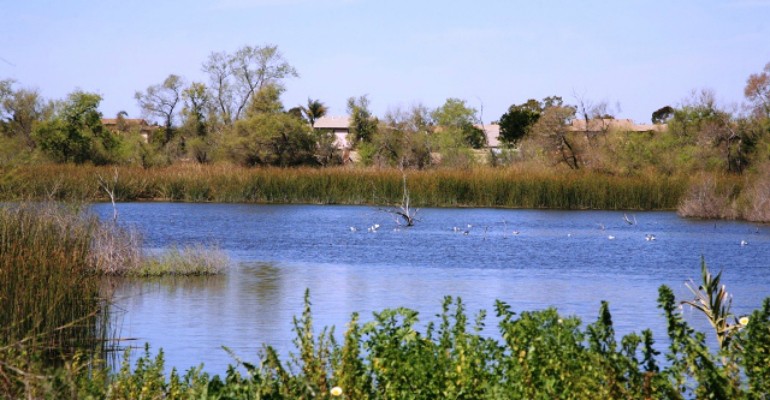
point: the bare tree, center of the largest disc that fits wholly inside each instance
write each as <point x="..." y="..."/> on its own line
<point x="403" y="211"/>
<point x="218" y="68"/>
<point x="236" y="78"/>
<point x="161" y="101"/>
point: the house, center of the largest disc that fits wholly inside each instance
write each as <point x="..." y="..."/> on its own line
<point x="128" y="125"/>
<point x="492" y="132"/>
<point x="339" y="126"/>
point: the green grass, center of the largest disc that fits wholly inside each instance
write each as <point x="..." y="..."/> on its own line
<point x="479" y="187"/>
<point x="193" y="260"/>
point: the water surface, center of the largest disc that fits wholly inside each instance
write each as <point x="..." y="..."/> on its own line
<point x="528" y="258"/>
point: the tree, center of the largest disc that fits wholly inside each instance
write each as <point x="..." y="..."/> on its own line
<point x="236" y="78"/>
<point x="195" y="108"/>
<point x="271" y="139"/>
<point x="704" y="126"/>
<point x="662" y="115"/>
<point x="22" y="110"/>
<point x="457" y="117"/>
<point x="266" y="101"/>
<point x="363" y="125"/>
<point x="402" y="140"/>
<point x="551" y="128"/>
<point x="516" y="123"/>
<point x="757" y="91"/>
<point x="161" y="101"/>
<point x="218" y="69"/>
<point x="314" y="110"/>
<point x="77" y="134"/>
<point x="297" y="113"/>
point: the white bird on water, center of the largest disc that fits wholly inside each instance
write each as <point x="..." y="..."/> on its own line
<point x="649" y="237"/>
<point x="744" y="243"/>
<point x="610" y="237"/>
<point x="353" y="229"/>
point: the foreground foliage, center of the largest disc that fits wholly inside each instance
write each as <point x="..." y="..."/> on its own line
<point x="537" y="355"/>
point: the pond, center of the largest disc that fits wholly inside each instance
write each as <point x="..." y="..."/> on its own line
<point x="530" y="259"/>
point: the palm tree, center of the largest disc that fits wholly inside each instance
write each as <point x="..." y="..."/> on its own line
<point x="314" y="110"/>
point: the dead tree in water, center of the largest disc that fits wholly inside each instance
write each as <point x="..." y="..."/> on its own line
<point x="407" y="214"/>
<point x="109" y="188"/>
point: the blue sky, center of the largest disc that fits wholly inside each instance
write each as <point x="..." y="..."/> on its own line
<point x="641" y="55"/>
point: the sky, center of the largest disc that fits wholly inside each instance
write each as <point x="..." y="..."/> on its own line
<point x="636" y="56"/>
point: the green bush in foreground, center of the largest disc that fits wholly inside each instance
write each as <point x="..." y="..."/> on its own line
<point x="539" y="355"/>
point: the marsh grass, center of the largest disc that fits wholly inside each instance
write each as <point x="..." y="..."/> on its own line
<point x="51" y="306"/>
<point x="56" y="326"/>
<point x="510" y="187"/>
<point x="191" y="260"/>
<point x="47" y="279"/>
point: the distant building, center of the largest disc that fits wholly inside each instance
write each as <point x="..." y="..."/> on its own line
<point x="492" y="132"/>
<point x="130" y="125"/>
<point x="339" y="126"/>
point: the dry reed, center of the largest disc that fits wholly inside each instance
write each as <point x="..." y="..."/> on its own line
<point x="478" y="187"/>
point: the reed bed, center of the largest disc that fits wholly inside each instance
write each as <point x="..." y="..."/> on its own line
<point x="49" y="294"/>
<point x="478" y="187"/>
<point x="54" y="304"/>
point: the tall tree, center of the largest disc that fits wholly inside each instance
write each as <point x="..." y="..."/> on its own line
<point x="457" y="117"/>
<point x="217" y="66"/>
<point x="267" y="100"/>
<point x="662" y="114"/>
<point x="161" y="100"/>
<point x="315" y="109"/>
<point x="77" y="134"/>
<point x="195" y="109"/>
<point x="363" y="125"/>
<point x="236" y="78"/>
<point x="402" y="140"/>
<point x="552" y="129"/>
<point x="516" y="123"/>
<point x="271" y="139"/>
<point x="757" y="91"/>
<point x="711" y="131"/>
<point x="21" y="110"/>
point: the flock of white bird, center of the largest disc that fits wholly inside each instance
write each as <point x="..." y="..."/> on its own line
<point x="467" y="230"/>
